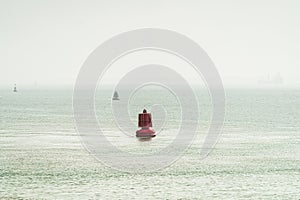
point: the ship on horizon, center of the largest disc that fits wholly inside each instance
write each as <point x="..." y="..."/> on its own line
<point x="271" y="79"/>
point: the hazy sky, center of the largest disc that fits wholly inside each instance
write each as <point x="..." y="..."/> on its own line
<point x="46" y="42"/>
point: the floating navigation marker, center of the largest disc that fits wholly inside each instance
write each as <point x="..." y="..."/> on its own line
<point x="145" y="122"/>
<point x="15" y="88"/>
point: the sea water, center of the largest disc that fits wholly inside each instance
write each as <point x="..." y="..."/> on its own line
<point x="256" y="156"/>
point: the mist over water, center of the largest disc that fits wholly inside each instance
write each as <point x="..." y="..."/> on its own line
<point x="257" y="155"/>
<point x="58" y="52"/>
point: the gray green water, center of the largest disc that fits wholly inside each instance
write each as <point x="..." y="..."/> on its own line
<point x="256" y="157"/>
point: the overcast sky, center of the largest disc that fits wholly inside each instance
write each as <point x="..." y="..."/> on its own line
<point x="45" y="42"/>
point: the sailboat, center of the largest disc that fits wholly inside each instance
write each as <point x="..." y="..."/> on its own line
<point x="116" y="96"/>
<point x="15" y="88"/>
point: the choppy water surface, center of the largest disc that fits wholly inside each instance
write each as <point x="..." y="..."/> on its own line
<point x="257" y="155"/>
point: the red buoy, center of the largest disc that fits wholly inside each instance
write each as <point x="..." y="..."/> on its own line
<point x="145" y="122"/>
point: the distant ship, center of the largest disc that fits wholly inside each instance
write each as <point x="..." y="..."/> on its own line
<point x="116" y="96"/>
<point x="15" y="88"/>
<point x="271" y="79"/>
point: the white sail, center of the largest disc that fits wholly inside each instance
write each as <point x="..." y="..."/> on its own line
<point x="116" y="96"/>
